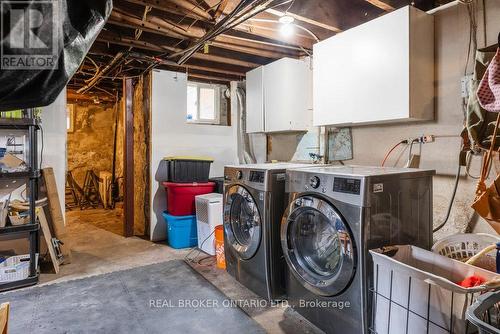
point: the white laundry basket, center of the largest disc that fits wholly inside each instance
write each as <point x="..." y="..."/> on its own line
<point x="415" y="291"/>
<point x="463" y="246"/>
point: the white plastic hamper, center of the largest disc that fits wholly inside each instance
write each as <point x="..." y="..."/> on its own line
<point x="415" y="291"/>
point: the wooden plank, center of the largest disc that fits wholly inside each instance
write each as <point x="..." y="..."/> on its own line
<point x="4" y="318"/>
<point x="382" y="5"/>
<point x="56" y="214"/>
<point x="128" y="163"/>
<point x="44" y="224"/>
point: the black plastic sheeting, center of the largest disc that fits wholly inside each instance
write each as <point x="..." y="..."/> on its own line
<point x="43" y="44"/>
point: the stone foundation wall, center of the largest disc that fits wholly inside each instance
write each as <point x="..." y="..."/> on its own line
<point x="90" y="145"/>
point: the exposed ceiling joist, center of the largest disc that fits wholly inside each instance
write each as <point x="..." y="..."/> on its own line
<point x="382" y="5"/>
<point x="162" y="28"/>
<point x="207" y="77"/>
<point x="220" y="8"/>
<point x="173" y="6"/>
<point x="124" y="41"/>
<point x="305" y="19"/>
<point x="190" y="8"/>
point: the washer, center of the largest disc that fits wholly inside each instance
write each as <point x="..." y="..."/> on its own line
<point x="335" y="215"/>
<point x="254" y="202"/>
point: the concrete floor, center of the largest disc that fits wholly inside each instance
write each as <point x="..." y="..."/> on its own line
<point x="98" y="248"/>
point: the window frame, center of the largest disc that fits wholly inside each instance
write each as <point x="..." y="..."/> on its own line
<point x="217" y="103"/>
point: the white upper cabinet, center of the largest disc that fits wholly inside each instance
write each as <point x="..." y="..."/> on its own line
<point x="278" y="96"/>
<point x="381" y="71"/>
<point x="255" y="101"/>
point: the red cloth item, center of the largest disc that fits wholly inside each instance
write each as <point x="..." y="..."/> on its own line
<point x="472" y="281"/>
<point x="488" y="92"/>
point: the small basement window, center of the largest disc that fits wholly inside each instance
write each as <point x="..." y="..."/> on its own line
<point x="206" y="104"/>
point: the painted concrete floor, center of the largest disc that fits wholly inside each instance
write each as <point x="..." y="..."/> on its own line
<point x="98" y="248"/>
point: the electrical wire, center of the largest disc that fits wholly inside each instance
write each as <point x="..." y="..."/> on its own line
<point x="391" y="150"/>
<point x="289" y="7"/>
<point x="195" y="259"/>
<point x="468" y="160"/>
<point x="452" y="199"/>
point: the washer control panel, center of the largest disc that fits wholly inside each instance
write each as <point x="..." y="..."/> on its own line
<point x="347" y="185"/>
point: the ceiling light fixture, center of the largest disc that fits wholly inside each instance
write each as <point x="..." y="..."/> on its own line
<point x="286" y="19"/>
<point x="287" y="28"/>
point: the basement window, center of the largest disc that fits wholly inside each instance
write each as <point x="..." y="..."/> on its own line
<point x="205" y="104"/>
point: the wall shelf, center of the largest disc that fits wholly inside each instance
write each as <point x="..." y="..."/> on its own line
<point x="18" y="123"/>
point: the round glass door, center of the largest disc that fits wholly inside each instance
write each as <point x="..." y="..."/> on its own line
<point x="242" y="222"/>
<point x="318" y="246"/>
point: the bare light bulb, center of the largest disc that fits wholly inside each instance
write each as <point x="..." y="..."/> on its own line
<point x="287" y="30"/>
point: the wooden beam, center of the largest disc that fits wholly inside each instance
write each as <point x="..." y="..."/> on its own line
<point x="161" y="27"/>
<point x="210" y="81"/>
<point x="190" y="8"/>
<point x="220" y="9"/>
<point x="119" y="40"/>
<point x="382" y="5"/>
<point x="193" y="28"/>
<point x="305" y="19"/>
<point x="72" y="95"/>
<point x="171" y="7"/>
<point x="128" y="158"/>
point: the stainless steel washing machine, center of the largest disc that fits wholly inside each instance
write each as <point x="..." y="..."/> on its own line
<point x="335" y="215"/>
<point x="254" y="202"/>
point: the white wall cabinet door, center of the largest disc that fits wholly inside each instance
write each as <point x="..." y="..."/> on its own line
<point x="286" y="89"/>
<point x="381" y="71"/>
<point x="278" y="96"/>
<point x="255" y="101"/>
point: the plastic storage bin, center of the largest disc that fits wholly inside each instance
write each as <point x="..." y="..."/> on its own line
<point x="188" y="169"/>
<point x="181" y="231"/>
<point x="416" y="289"/>
<point x="485" y="313"/>
<point x="181" y="196"/>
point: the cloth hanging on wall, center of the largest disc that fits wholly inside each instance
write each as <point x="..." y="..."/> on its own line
<point x="487" y="202"/>
<point x="479" y="123"/>
<point x="488" y="93"/>
<point x="43" y="44"/>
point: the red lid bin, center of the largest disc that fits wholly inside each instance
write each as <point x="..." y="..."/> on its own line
<point x="181" y="196"/>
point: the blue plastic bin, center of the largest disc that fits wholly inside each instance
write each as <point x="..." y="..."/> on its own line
<point x="181" y="231"/>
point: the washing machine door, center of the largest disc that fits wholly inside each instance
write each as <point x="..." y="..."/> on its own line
<point x="242" y="222"/>
<point x="318" y="246"/>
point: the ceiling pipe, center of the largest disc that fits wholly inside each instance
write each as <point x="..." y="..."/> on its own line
<point x="448" y="5"/>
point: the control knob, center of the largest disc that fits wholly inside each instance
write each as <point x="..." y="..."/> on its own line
<point x="314" y="182"/>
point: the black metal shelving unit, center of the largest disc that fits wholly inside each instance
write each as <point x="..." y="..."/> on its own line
<point x="31" y="125"/>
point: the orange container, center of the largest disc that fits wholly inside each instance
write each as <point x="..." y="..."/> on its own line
<point x="219" y="247"/>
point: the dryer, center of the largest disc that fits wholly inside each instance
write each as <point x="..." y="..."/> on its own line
<point x="335" y="215"/>
<point x="254" y="202"/>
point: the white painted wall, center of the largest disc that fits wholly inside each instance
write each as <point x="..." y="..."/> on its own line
<point x="171" y="135"/>
<point x="54" y="137"/>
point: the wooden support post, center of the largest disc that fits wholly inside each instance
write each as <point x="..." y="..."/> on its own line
<point x="128" y="156"/>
